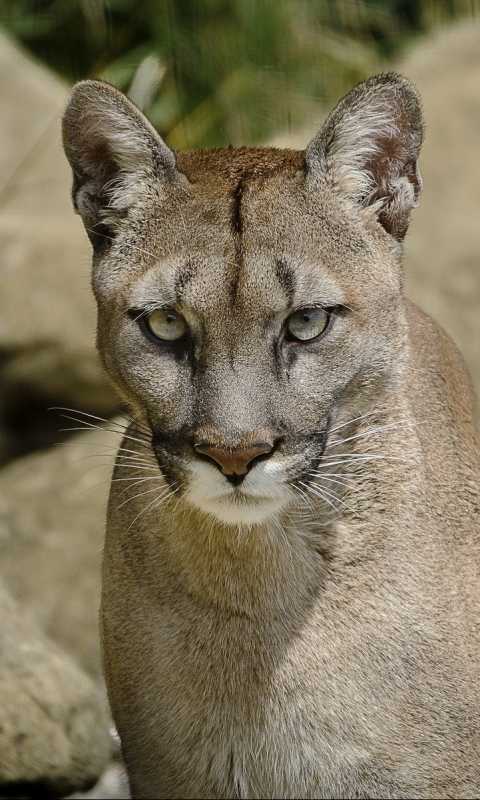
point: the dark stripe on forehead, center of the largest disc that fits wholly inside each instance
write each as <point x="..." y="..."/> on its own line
<point x="286" y="279"/>
<point x="237" y="221"/>
<point x="185" y="274"/>
<point x="237" y="225"/>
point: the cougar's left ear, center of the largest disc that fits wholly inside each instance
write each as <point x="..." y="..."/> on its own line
<point x="114" y="152"/>
<point x="368" y="148"/>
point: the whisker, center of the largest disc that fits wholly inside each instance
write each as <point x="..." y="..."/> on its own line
<point x="135" y="418"/>
<point x="112" y="480"/>
<point x="133" y="465"/>
<point x="137" y="481"/>
<point x="305" y="496"/>
<point x="117" y="423"/>
<point x="319" y="494"/>
<point x="123" y="426"/>
<point x="156" y="502"/>
<point x="371" y="431"/>
<point x="91" y="426"/>
<point x="103" y="445"/>
<point x="115" y="454"/>
<point x="350" y="475"/>
<point x="140" y="494"/>
<point x="117" y="450"/>
<point x="362" y="457"/>
<point x="94" y="455"/>
<point x="126" y="459"/>
<point x="328" y="478"/>
<point x="330" y="493"/>
<point x="143" y="458"/>
<point x="159" y="502"/>
<point x="111" y="465"/>
<point x="322" y="492"/>
<point x="365" y="416"/>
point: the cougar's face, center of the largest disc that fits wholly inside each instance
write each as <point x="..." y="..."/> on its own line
<point x="249" y="299"/>
<point x="243" y="321"/>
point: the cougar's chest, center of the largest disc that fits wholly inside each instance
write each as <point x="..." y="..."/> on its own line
<point x="236" y="707"/>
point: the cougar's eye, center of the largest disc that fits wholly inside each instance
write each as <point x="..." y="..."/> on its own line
<point x="307" y="323"/>
<point x="166" y="325"/>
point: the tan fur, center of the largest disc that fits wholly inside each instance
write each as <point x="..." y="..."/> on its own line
<point x="314" y="631"/>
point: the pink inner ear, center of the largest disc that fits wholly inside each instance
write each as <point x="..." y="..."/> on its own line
<point x="385" y="166"/>
<point x="108" y="142"/>
<point x="389" y="158"/>
<point x="98" y="159"/>
<point x="394" y="175"/>
<point x="377" y="141"/>
<point x="368" y="149"/>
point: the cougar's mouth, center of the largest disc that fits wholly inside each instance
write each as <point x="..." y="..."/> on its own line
<point x="261" y="494"/>
<point x="255" y="497"/>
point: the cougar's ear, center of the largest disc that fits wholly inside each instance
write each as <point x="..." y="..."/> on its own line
<point x="368" y="148"/>
<point x="114" y="153"/>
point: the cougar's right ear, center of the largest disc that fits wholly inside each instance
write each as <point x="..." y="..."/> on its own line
<point x="368" y="149"/>
<point x="114" y="153"/>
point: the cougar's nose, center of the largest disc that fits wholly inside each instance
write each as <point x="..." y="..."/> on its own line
<point x="234" y="464"/>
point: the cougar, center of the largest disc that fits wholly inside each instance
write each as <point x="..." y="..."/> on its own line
<point x="290" y="587"/>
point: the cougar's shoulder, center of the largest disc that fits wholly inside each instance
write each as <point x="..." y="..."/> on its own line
<point x="434" y="354"/>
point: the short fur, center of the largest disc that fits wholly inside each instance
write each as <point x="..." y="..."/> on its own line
<point x="312" y="631"/>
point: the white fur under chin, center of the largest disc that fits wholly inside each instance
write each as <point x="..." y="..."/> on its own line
<point x="260" y="496"/>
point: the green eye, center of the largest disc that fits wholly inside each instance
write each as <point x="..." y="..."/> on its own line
<point x="307" y="323"/>
<point x="166" y="325"/>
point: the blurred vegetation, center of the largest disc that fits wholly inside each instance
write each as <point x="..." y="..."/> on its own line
<point x="214" y="72"/>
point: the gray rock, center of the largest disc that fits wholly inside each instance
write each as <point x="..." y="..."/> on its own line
<point x="53" y="728"/>
<point x="47" y="313"/>
<point x="52" y="517"/>
<point x="52" y="511"/>
<point x="442" y="249"/>
<point x="113" y="785"/>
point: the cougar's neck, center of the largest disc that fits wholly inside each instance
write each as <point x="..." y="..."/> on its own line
<point x="268" y="569"/>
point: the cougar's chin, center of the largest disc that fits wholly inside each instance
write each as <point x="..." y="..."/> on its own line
<point x="260" y="496"/>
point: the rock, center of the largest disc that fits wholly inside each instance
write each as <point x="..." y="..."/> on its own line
<point x="113" y="785"/>
<point x="53" y="727"/>
<point x="47" y="313"/>
<point x="52" y="518"/>
<point x="442" y="249"/>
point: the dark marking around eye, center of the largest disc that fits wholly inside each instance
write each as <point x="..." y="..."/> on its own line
<point x="136" y="313"/>
<point x="286" y="278"/>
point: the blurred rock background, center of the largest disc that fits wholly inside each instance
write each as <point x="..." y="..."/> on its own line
<point x="208" y="73"/>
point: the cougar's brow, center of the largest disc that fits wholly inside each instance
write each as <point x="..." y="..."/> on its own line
<point x="186" y="272"/>
<point x="286" y="279"/>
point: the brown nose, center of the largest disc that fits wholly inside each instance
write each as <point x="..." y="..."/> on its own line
<point x="233" y="462"/>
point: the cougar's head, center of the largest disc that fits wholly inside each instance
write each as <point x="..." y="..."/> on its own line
<point x="248" y="298"/>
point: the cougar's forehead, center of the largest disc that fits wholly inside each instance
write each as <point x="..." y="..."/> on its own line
<point x="230" y="238"/>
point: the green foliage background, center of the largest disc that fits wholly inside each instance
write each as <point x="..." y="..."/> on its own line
<point x="214" y="72"/>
